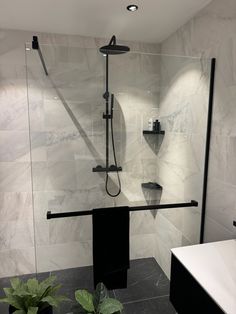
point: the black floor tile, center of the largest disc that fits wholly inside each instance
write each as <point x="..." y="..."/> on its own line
<point x="145" y="280"/>
<point x="159" y="305"/>
<point x="147" y="291"/>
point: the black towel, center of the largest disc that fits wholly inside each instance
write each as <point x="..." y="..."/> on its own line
<point x="111" y="246"/>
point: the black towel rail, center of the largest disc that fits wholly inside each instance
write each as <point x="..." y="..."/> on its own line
<point x="51" y="215"/>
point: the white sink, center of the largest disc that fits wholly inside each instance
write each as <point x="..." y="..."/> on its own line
<point x="213" y="265"/>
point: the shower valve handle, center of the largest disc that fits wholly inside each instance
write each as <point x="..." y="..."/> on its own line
<point x="106" y="96"/>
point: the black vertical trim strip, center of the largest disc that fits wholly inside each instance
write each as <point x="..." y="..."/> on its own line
<point x="207" y="148"/>
<point x="107" y="111"/>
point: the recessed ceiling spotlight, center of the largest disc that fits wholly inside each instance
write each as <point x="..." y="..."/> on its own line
<point x="132" y="7"/>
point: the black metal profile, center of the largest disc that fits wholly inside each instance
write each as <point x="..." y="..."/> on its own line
<point x="51" y="215"/>
<point x="207" y="147"/>
<point x="36" y="46"/>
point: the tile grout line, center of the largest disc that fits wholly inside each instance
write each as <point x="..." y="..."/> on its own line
<point x="146" y="299"/>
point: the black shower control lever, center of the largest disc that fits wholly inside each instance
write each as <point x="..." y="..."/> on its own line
<point x="112" y="168"/>
<point x="234" y="223"/>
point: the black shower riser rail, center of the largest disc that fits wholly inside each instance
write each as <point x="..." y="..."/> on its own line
<point x="51" y="215"/>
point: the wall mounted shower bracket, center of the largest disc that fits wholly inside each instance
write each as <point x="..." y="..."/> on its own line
<point x="36" y="46"/>
<point x="107" y="116"/>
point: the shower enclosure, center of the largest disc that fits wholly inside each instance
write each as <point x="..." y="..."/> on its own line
<point x="162" y="167"/>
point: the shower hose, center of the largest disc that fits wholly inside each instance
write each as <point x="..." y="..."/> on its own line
<point x="115" y="160"/>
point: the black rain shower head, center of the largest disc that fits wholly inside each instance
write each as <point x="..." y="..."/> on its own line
<point x="113" y="49"/>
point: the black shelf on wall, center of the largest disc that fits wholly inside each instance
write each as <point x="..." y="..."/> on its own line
<point x="153" y="132"/>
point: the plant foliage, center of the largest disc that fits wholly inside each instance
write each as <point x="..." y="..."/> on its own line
<point x="98" y="302"/>
<point x="32" y="296"/>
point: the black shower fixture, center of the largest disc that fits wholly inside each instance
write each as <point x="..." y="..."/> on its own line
<point x="132" y="7"/>
<point x="111" y="49"/>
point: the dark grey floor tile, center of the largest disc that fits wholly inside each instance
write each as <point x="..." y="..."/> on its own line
<point x="160" y="305"/>
<point x="73" y="279"/>
<point x="145" y="280"/>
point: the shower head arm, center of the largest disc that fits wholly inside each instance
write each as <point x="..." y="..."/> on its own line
<point x="112" y="41"/>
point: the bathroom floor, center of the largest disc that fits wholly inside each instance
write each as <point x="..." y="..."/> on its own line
<point x="147" y="292"/>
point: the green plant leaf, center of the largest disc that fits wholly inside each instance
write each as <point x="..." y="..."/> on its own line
<point x="54" y="289"/>
<point x="48" y="282"/>
<point x="8" y="291"/>
<point x="32" y="310"/>
<point x="15" y="283"/>
<point x="21" y="292"/>
<point x="85" y="299"/>
<point x="110" y="306"/>
<point x="15" y="301"/>
<point x="50" y="300"/>
<point x="19" y="312"/>
<point x="100" y="294"/>
<point x="33" y="286"/>
<point x="54" y="300"/>
<point x="32" y="295"/>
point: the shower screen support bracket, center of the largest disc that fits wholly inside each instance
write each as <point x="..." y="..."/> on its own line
<point x="192" y="203"/>
<point x="36" y="46"/>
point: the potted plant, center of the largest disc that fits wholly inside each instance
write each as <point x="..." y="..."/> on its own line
<point x="98" y="302"/>
<point x="33" y="297"/>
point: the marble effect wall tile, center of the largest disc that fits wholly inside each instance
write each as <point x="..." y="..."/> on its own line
<point x="16" y="235"/>
<point x="63" y="153"/>
<point x="15" y="177"/>
<point x="68" y="140"/>
<point x="15" y="206"/>
<point x="14" y="146"/>
<point x="212" y="34"/>
<point x="17" y="262"/>
<point x="142" y="246"/>
<point x="202" y="36"/>
<point x="75" y="254"/>
<point x="180" y="159"/>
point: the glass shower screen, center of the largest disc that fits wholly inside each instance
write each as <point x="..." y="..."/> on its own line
<point x="159" y="126"/>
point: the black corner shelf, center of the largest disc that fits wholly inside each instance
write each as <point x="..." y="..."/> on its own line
<point x="151" y="186"/>
<point x="153" y="132"/>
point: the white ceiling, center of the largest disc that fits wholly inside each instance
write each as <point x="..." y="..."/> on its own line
<point x="153" y="22"/>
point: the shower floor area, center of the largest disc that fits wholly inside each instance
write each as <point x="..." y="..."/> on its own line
<point x="147" y="291"/>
